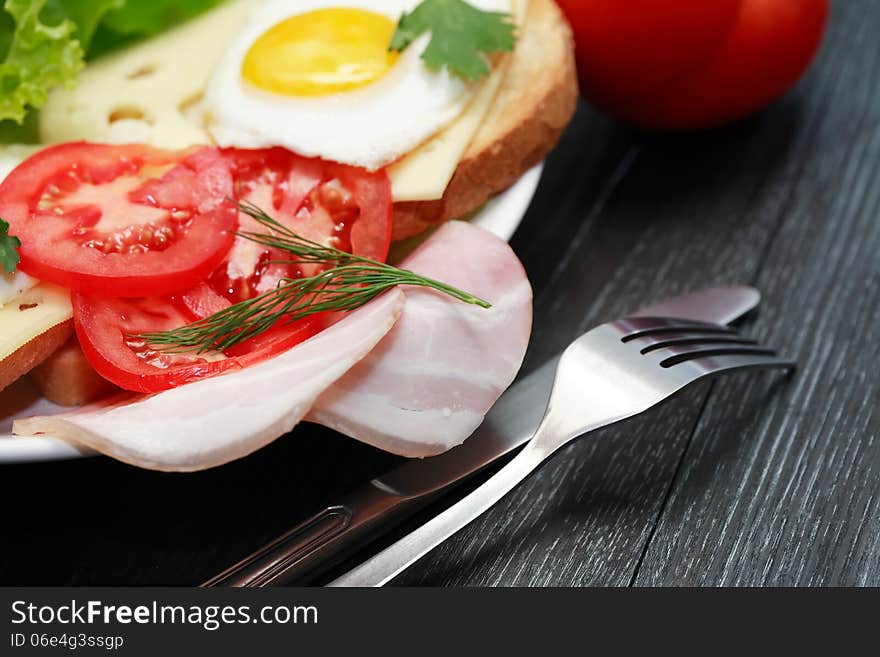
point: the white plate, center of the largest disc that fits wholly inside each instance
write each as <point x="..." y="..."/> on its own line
<point x="501" y="215"/>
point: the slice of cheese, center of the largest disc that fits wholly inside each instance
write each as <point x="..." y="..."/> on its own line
<point x="32" y="314"/>
<point x="152" y="93"/>
<point x="28" y="308"/>
<point x="14" y="285"/>
<point x="424" y="174"/>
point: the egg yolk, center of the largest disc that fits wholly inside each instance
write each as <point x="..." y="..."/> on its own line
<point x="321" y="52"/>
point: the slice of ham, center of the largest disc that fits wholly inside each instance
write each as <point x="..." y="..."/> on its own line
<point x="210" y="422"/>
<point x="429" y="383"/>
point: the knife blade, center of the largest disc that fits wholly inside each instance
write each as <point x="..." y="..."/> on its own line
<point x="335" y="532"/>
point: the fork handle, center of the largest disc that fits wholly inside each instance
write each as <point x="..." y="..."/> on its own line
<point x="396" y="558"/>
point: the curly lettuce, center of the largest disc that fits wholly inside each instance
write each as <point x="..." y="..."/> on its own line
<point x="45" y="43"/>
<point x="38" y="56"/>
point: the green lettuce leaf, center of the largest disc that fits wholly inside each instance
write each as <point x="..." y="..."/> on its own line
<point x="44" y="43"/>
<point x="149" y="17"/>
<point x="38" y="56"/>
<point x="136" y="19"/>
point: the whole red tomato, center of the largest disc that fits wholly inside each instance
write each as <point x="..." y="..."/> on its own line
<point x="690" y="64"/>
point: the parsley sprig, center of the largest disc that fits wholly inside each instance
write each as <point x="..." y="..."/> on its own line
<point x="9" y="257"/>
<point x="461" y="36"/>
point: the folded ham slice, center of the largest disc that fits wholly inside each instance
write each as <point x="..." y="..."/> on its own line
<point x="429" y="383"/>
<point x="210" y="422"/>
<point x="416" y="389"/>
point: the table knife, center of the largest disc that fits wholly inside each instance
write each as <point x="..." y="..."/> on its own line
<point x="340" y="529"/>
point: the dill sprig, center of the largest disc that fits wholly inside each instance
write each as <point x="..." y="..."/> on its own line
<point x="349" y="282"/>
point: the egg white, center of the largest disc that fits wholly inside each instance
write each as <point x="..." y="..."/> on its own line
<point x="368" y="127"/>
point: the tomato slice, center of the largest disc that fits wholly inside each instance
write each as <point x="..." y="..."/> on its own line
<point x="106" y="326"/>
<point x="332" y="204"/>
<point x="121" y="221"/>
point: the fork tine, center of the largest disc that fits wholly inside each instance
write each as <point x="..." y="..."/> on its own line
<point x="633" y="328"/>
<point x="711" y="365"/>
<point x="658" y="341"/>
<point x="679" y="353"/>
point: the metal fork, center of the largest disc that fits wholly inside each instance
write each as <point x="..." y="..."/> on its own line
<point x="610" y="373"/>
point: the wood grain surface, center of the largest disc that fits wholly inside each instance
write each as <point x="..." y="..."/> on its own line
<point x="750" y="480"/>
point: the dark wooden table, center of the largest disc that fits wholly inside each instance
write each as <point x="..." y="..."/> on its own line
<point x="750" y="480"/>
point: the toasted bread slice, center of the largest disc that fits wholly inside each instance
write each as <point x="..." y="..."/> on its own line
<point x="67" y="378"/>
<point x="527" y="118"/>
<point x="24" y="359"/>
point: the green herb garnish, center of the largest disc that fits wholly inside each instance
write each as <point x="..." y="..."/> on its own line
<point x="9" y="257"/>
<point x="461" y="36"/>
<point x="350" y="282"/>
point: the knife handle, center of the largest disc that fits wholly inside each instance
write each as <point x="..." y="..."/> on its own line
<point x="284" y="556"/>
<point x="317" y="544"/>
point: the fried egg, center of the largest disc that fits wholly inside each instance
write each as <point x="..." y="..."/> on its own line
<point x="316" y="77"/>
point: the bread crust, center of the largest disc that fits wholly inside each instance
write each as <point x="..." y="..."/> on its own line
<point x="27" y="357"/>
<point x="527" y="118"/>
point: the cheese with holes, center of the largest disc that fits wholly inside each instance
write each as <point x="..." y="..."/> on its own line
<point x="148" y="93"/>
<point x="32" y="314"/>
<point x="152" y="93"/>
